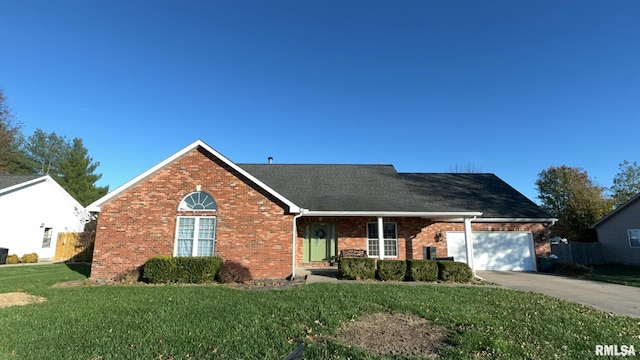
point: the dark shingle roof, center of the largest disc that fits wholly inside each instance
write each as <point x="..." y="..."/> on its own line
<point x="337" y="187"/>
<point x="8" y="180"/>
<point x="474" y="191"/>
<point x="381" y="188"/>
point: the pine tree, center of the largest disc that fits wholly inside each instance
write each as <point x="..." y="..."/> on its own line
<point x="45" y="151"/>
<point x="75" y="173"/>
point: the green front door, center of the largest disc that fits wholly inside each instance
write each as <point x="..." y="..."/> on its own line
<point x="320" y="242"/>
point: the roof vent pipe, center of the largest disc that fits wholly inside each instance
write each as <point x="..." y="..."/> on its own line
<point x="270" y="159"/>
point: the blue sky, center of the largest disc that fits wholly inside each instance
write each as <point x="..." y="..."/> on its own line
<point x="512" y="87"/>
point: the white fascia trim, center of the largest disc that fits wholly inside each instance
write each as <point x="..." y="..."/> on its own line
<point x="44" y="178"/>
<point x="392" y="214"/>
<point x="510" y="220"/>
<point x="65" y="192"/>
<point x="96" y="205"/>
<point x="25" y="184"/>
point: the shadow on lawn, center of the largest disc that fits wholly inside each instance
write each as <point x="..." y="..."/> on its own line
<point x="80" y="268"/>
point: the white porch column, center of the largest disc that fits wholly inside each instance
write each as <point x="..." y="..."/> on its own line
<point x="380" y="238"/>
<point x="468" y="241"/>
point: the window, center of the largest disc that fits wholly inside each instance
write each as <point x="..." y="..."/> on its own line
<point x="195" y="236"/>
<point x="198" y="200"/>
<point x="46" y="238"/>
<point x="390" y="239"/>
<point x="634" y="238"/>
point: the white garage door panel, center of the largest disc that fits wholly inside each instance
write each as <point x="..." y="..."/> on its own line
<point x="495" y="250"/>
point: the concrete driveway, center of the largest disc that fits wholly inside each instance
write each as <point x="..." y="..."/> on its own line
<point x="617" y="299"/>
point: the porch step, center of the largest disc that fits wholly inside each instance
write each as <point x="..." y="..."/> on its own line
<point x="316" y="264"/>
<point x="318" y="274"/>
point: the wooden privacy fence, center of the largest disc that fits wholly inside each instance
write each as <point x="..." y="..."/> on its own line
<point x="578" y="253"/>
<point x="67" y="246"/>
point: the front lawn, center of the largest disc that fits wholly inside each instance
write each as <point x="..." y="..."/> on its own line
<point x="617" y="274"/>
<point x="216" y="321"/>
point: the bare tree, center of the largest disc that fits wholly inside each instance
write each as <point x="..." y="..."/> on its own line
<point x="466" y="168"/>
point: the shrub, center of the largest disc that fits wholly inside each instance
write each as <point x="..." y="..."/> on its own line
<point x="13" y="259"/>
<point x="198" y="269"/>
<point x="394" y="270"/>
<point x="454" y="271"/>
<point x="357" y="268"/>
<point x="30" y="258"/>
<point x="169" y="269"/>
<point x="233" y="272"/>
<point x="160" y="269"/>
<point x="130" y="277"/>
<point x="577" y="270"/>
<point x="422" y="270"/>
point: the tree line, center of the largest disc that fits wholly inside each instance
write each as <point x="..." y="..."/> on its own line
<point x="65" y="160"/>
<point x="571" y="196"/>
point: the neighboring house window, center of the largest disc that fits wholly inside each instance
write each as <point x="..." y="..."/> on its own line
<point x="390" y="239"/>
<point x="195" y="236"/>
<point x="634" y="238"/>
<point x="46" y="238"/>
<point x="198" y="200"/>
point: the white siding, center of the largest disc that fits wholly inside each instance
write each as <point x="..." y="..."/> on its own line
<point x="26" y="212"/>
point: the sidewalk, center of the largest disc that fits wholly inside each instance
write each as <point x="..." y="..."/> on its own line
<point x="46" y="262"/>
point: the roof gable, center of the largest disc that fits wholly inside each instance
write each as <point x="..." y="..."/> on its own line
<point x="96" y="205"/>
<point x="25" y="181"/>
<point x="617" y="210"/>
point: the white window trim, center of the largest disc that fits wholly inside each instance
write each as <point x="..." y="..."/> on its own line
<point x="194" y="248"/>
<point x="376" y="239"/>
<point x="182" y="206"/>
<point x="47" y="237"/>
<point x="630" y="235"/>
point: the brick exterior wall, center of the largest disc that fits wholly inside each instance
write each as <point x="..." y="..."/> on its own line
<point x="252" y="227"/>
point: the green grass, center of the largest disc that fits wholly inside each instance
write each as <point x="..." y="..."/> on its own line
<point x="214" y="321"/>
<point x="617" y="274"/>
<point x="35" y="278"/>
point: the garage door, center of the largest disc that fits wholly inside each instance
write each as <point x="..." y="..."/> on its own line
<point x="495" y="250"/>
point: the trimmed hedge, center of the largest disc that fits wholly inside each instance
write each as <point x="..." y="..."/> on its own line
<point x="454" y="271"/>
<point x="394" y="270"/>
<point x="29" y="258"/>
<point x="170" y="269"/>
<point x="422" y="270"/>
<point x="13" y="259"/>
<point x="357" y="268"/>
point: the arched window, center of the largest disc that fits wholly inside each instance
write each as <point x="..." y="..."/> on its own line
<point x="196" y="235"/>
<point x="198" y="200"/>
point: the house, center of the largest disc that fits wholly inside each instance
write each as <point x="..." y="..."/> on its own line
<point x="274" y="217"/>
<point x="33" y="210"/>
<point x="619" y="233"/>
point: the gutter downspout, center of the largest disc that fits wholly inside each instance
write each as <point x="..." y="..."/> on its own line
<point x="294" y="237"/>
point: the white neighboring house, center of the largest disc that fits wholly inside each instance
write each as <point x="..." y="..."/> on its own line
<point x="33" y="210"/>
